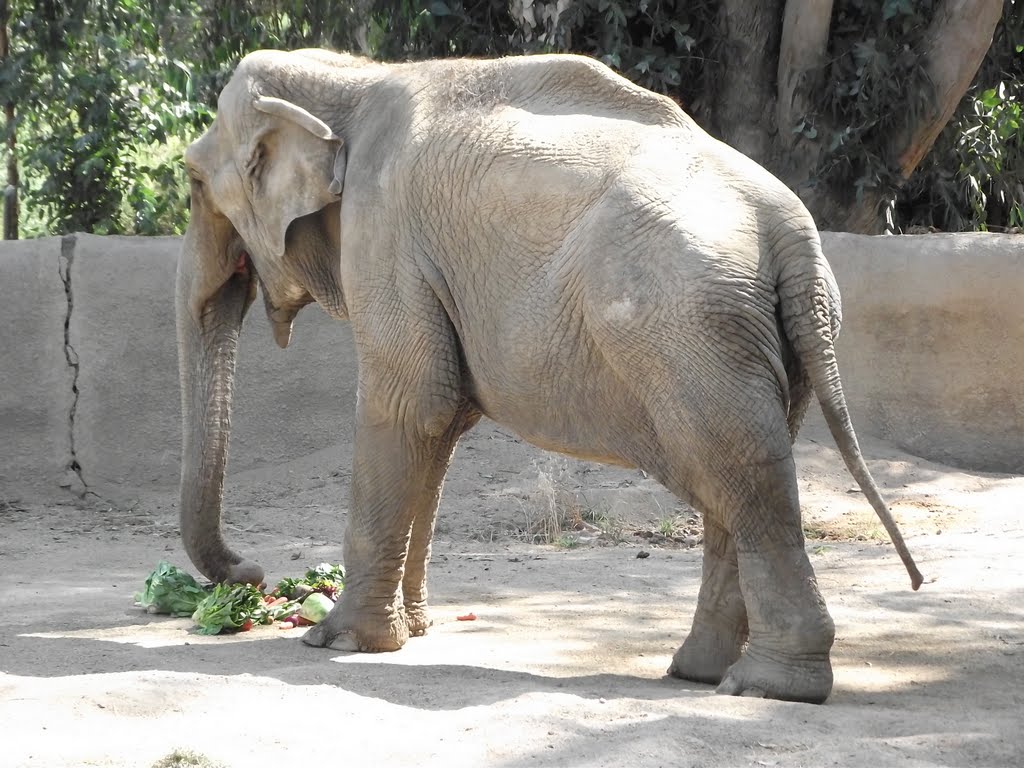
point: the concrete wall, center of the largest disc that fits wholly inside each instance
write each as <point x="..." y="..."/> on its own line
<point x="112" y="422"/>
<point x="932" y="356"/>
<point x="36" y="375"/>
<point x="932" y="346"/>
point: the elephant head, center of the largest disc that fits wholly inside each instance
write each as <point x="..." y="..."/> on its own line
<point x="266" y="183"/>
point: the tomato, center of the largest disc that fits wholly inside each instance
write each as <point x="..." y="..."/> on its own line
<point x="246" y="625"/>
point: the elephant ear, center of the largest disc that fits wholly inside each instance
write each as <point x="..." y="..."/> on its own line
<point x="297" y="168"/>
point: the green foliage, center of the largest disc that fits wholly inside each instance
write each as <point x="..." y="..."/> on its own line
<point x="974" y="176"/>
<point x="411" y="29"/>
<point x="94" y="85"/>
<point x="661" y="44"/>
<point x="875" y="65"/>
<point x="110" y="92"/>
<point x="971" y="179"/>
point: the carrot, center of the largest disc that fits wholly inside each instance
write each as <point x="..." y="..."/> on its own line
<point x="466" y="617"/>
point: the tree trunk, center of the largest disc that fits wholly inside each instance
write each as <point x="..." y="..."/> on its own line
<point x="11" y="190"/>
<point x="742" y="102"/>
<point x="802" y="56"/>
<point x="954" y="46"/>
<point x="773" y="57"/>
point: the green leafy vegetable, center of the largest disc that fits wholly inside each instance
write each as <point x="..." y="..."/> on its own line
<point x="229" y="606"/>
<point x="326" y="578"/>
<point x="169" y="589"/>
<point x="286" y="587"/>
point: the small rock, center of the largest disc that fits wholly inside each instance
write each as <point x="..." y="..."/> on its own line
<point x="642" y="554"/>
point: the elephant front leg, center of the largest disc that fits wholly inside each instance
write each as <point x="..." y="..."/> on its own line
<point x="720" y="622"/>
<point x="396" y="486"/>
<point x="414" y="583"/>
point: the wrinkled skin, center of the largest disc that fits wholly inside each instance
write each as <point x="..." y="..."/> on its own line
<point x="538" y="240"/>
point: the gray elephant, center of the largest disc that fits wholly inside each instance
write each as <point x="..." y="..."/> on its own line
<point x="541" y="241"/>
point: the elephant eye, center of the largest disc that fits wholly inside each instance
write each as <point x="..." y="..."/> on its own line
<point x="195" y="189"/>
<point x="255" y="166"/>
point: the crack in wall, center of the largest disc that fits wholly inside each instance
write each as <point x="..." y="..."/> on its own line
<point x="76" y="481"/>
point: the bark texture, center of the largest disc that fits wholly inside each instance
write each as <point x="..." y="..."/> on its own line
<point x="802" y="55"/>
<point x="742" y="103"/>
<point x="10" y="193"/>
<point x="955" y="45"/>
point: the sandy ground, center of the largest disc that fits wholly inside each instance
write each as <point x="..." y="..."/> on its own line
<point x="565" y="663"/>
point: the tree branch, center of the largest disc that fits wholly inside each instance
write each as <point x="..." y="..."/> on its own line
<point x="954" y="46"/>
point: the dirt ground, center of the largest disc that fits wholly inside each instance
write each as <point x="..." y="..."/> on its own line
<point x="565" y="664"/>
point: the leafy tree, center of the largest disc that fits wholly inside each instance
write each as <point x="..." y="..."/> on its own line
<point x="841" y="99"/>
<point x="103" y="114"/>
<point x="974" y="176"/>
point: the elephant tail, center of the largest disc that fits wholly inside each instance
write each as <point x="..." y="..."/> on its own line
<point x="809" y="307"/>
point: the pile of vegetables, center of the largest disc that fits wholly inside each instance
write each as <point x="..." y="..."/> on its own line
<point x="239" y="607"/>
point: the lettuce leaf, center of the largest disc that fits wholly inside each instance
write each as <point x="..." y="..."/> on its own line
<point x="228" y="607"/>
<point x="168" y="589"/>
<point x="326" y="578"/>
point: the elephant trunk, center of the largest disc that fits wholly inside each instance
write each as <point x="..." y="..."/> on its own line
<point x="207" y="345"/>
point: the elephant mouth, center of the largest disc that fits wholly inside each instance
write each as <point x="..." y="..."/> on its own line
<point x="243" y="265"/>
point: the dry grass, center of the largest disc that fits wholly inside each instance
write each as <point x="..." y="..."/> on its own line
<point x="848" y="527"/>
<point x="186" y="759"/>
<point x="557" y="512"/>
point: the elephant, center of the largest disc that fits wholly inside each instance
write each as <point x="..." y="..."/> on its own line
<point x="537" y="240"/>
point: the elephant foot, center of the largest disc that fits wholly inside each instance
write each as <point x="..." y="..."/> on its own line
<point x="222" y="566"/>
<point x="807" y="679"/>
<point x="367" y="634"/>
<point x="417" y="619"/>
<point x="245" y="572"/>
<point x="705" y="656"/>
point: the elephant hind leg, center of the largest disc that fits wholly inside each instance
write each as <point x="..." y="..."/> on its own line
<point x="414" y="581"/>
<point x="720" y="623"/>
<point x="741" y="475"/>
<point x="791" y="632"/>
